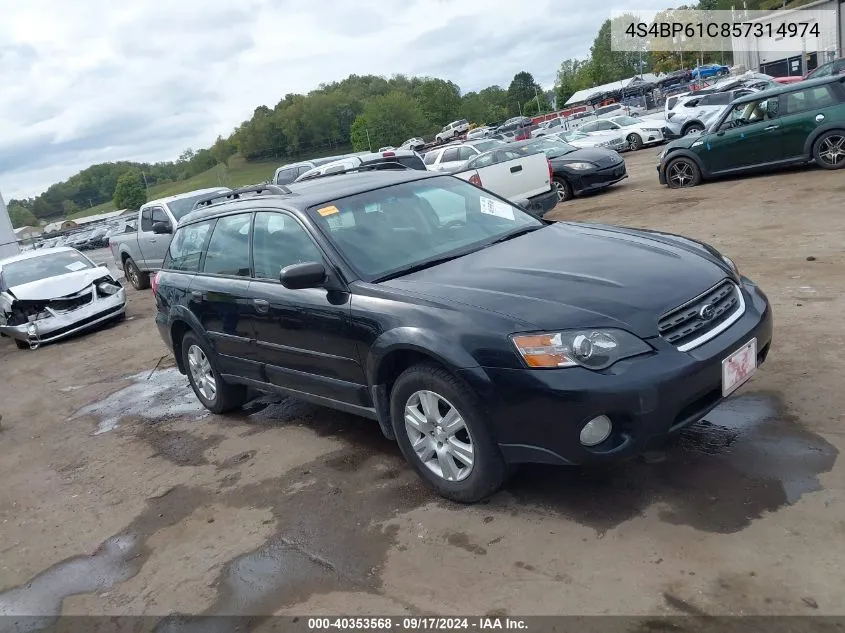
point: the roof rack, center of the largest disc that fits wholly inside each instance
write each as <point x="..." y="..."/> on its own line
<point x="390" y="164"/>
<point x="237" y="193"/>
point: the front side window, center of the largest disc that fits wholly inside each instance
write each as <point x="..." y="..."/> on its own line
<point x="186" y="247"/>
<point x="278" y="241"/>
<point x="160" y="216"/>
<point x="590" y="127"/>
<point x="415" y="223"/>
<point x="228" y="248"/>
<point x="465" y="153"/>
<point x="287" y="176"/>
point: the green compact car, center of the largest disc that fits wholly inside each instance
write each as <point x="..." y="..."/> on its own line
<point x="789" y="125"/>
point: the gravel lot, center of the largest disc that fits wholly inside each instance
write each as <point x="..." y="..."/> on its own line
<point x="121" y="496"/>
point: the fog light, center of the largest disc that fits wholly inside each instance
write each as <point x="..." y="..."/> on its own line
<point x="596" y="431"/>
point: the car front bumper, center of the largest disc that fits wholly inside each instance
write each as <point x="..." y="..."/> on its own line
<point x="586" y="182"/>
<point x="62" y="324"/>
<point x="537" y="415"/>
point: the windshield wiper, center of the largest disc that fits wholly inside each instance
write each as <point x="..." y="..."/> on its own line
<point x="428" y="263"/>
<point x="515" y="233"/>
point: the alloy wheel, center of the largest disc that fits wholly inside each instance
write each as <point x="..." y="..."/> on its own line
<point x="439" y="436"/>
<point x="832" y="150"/>
<point x="680" y="173"/>
<point x="132" y="273"/>
<point x="562" y="193"/>
<point x="202" y="373"/>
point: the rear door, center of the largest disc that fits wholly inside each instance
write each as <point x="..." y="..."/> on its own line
<point x="802" y="112"/>
<point x="220" y="299"/>
<point x="301" y="336"/>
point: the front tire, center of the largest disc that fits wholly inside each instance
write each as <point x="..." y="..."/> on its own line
<point x="635" y="141"/>
<point x="682" y="172"/>
<point x="139" y="280"/>
<point x="441" y="431"/>
<point x="829" y="150"/>
<point x="563" y="188"/>
<point x="215" y="394"/>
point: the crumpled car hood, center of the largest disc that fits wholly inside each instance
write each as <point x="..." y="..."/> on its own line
<point x="59" y="286"/>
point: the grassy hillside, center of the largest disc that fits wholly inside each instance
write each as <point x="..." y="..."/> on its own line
<point x="238" y="174"/>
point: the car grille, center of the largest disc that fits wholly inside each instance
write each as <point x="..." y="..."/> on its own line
<point x="702" y="318"/>
<point x="72" y="302"/>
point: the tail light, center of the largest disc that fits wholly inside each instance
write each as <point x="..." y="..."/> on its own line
<point x="154" y="283"/>
<point x="388" y="154"/>
<point x="475" y="179"/>
<point x="551" y="171"/>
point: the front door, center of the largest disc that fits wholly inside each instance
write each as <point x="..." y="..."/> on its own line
<point x="750" y="135"/>
<point x="220" y="296"/>
<point x="804" y="111"/>
<point x="153" y="247"/>
<point x="301" y="336"/>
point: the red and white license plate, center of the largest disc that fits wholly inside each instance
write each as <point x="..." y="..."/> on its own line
<point x="739" y="367"/>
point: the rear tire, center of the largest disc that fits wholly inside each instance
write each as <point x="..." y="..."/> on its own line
<point x="695" y="128"/>
<point x="564" y="189"/>
<point x="829" y="150"/>
<point x="682" y="172"/>
<point x="448" y="428"/>
<point x="215" y="394"/>
<point x="139" y="280"/>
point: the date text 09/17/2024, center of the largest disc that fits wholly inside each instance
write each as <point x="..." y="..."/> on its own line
<point x="417" y="623"/>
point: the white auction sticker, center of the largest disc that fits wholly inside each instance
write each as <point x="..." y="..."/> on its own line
<point x="494" y="207"/>
<point x="74" y="266"/>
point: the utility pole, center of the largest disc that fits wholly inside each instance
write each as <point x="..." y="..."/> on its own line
<point x="146" y="186"/>
<point x="537" y="96"/>
<point x="369" y="145"/>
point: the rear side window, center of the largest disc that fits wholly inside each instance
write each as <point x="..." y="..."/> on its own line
<point x="450" y="155"/>
<point x="717" y="99"/>
<point x="465" y="153"/>
<point x="278" y="241"/>
<point x="413" y="161"/>
<point x="431" y="158"/>
<point x="186" y="247"/>
<point x="228" y="248"/>
<point x="809" y="99"/>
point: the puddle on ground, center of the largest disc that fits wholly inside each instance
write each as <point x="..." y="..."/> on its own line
<point x="745" y="459"/>
<point x="180" y="447"/>
<point x="41" y="598"/>
<point x="306" y="554"/>
<point x="155" y="395"/>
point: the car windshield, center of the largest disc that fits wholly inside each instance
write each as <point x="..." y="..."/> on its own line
<point x="552" y="147"/>
<point x="181" y="207"/>
<point x="41" y="267"/>
<point x="626" y="121"/>
<point x="391" y="231"/>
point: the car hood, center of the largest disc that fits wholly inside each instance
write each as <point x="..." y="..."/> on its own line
<point x="570" y="275"/>
<point x="60" y="285"/>
<point x="596" y="155"/>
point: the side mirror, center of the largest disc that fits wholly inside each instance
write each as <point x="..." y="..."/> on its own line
<point x="306" y="275"/>
<point x="161" y="228"/>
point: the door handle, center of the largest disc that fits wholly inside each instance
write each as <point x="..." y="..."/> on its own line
<point x="819" y="118"/>
<point x="516" y="168"/>
<point x="771" y="127"/>
<point x="196" y="294"/>
<point x="152" y="241"/>
<point x="261" y="305"/>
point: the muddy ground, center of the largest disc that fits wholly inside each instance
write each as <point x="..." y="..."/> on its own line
<point x="120" y="495"/>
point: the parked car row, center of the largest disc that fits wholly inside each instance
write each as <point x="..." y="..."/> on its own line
<point x="97" y="237"/>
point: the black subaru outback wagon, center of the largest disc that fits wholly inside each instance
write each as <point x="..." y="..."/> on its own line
<point x="477" y="335"/>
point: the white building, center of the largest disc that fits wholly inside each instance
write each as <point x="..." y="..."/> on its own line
<point x="583" y="96"/>
<point x="767" y="55"/>
<point x="8" y="241"/>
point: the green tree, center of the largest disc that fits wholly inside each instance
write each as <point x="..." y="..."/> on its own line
<point x="359" y="134"/>
<point x="130" y="193"/>
<point x="20" y="215"/>
<point x="521" y="89"/>
<point x="439" y="100"/>
<point x="486" y="106"/>
<point x="222" y="150"/>
<point x="606" y="64"/>
<point x="572" y="76"/>
<point x="390" y="120"/>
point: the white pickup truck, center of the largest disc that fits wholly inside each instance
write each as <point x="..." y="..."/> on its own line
<point x="514" y="176"/>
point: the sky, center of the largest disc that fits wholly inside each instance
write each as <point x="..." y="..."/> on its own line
<point x="92" y="81"/>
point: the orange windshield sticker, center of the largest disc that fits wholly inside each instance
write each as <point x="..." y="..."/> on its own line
<point x="328" y="211"/>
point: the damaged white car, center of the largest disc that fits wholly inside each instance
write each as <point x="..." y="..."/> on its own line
<point x="48" y="294"/>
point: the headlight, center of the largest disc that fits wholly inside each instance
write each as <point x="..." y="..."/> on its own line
<point x="730" y="264"/>
<point x="593" y="349"/>
<point x="580" y="166"/>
